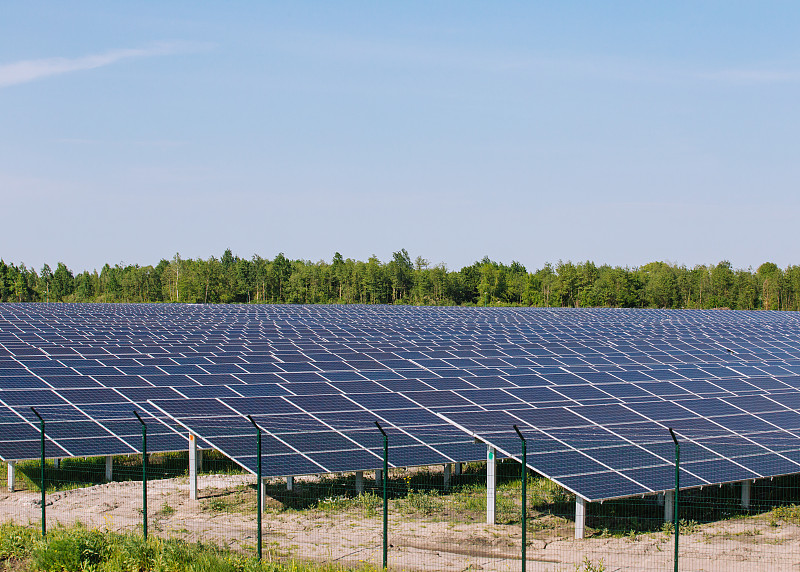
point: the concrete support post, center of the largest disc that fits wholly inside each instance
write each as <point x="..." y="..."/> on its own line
<point x="580" y="517"/>
<point x="359" y="482"/>
<point x="109" y="468"/>
<point x="746" y="494"/>
<point x="669" y="506"/>
<point x="289" y="483"/>
<point x="447" y="469"/>
<point x="457" y="469"/>
<point x="263" y="485"/>
<point x="378" y="478"/>
<point x="491" y="484"/>
<point x="12" y="475"/>
<point x="192" y="467"/>
<point x="57" y="463"/>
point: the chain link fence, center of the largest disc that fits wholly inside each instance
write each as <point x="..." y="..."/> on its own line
<point x="455" y="516"/>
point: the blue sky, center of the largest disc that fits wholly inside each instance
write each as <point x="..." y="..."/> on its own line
<point x="619" y="132"/>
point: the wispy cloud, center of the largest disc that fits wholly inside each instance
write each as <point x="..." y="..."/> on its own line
<point x="30" y="70"/>
<point x="592" y="66"/>
<point x="753" y="76"/>
<point x="159" y="143"/>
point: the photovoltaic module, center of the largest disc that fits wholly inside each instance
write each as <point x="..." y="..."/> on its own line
<point x="593" y="390"/>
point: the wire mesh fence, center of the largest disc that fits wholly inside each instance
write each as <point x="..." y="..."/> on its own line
<point x="454" y="516"/>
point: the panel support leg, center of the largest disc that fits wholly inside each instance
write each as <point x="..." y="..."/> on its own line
<point x="491" y="484"/>
<point x="669" y="506"/>
<point x="263" y="485"/>
<point x="192" y="467"/>
<point x="199" y="460"/>
<point x="359" y="482"/>
<point x="580" y="517"/>
<point x="12" y="475"/>
<point x="378" y="477"/>
<point x="660" y="499"/>
<point x="109" y="468"/>
<point x="746" y="494"/>
<point x="289" y="483"/>
<point x="447" y="469"/>
<point x="457" y="469"/>
<point x="57" y="463"/>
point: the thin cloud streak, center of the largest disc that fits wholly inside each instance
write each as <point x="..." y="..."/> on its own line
<point x="754" y="76"/>
<point x="31" y="70"/>
<point x="597" y="66"/>
<point x="159" y="143"/>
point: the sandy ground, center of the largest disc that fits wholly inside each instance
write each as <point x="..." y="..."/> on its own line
<point x="749" y="544"/>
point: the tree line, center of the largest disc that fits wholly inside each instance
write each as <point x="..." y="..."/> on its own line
<point x="231" y="279"/>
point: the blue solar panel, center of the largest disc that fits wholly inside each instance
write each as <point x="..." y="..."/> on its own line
<point x="726" y="381"/>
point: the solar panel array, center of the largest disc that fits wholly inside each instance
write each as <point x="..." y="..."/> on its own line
<point x="593" y="389"/>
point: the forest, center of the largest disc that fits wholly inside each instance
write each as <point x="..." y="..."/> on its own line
<point x="231" y="279"/>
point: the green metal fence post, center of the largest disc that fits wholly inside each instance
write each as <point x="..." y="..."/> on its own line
<point x="677" y="491"/>
<point x="385" y="496"/>
<point x="144" y="475"/>
<point x="258" y="483"/>
<point x="41" y="483"/>
<point x="524" y="497"/>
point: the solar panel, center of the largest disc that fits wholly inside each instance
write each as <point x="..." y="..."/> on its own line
<point x="725" y="380"/>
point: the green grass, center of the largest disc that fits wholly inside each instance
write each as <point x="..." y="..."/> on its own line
<point x="241" y="498"/>
<point x="425" y="503"/>
<point x="419" y="494"/>
<point x="590" y="566"/>
<point x="77" y="549"/>
<point x="165" y="511"/>
<point x="16" y="541"/>
<point x="79" y="472"/>
<point x="367" y="503"/>
<point x="686" y="527"/>
<point x="789" y="514"/>
<point x="414" y="494"/>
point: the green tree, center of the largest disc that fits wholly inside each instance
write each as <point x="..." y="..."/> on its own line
<point x="338" y="276"/>
<point x="568" y="283"/>
<point x="376" y="282"/>
<point x="516" y="283"/>
<point x="282" y="271"/>
<point x="746" y="286"/>
<point x="722" y="282"/>
<point x="84" y="288"/>
<point x="792" y="277"/>
<point x="660" y="285"/>
<point x="770" y="277"/>
<point x="492" y="282"/>
<point x="46" y="277"/>
<point x="587" y="275"/>
<point x="401" y="273"/>
<point x="63" y="282"/>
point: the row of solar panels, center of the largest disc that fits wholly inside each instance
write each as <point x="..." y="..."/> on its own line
<point x="436" y="378"/>
<point x="20" y="391"/>
<point x="599" y="451"/>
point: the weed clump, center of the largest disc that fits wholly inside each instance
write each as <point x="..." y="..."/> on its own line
<point x="790" y="513"/>
<point x="78" y="549"/>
